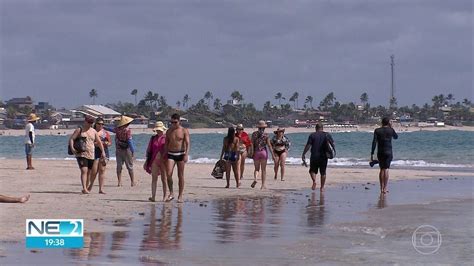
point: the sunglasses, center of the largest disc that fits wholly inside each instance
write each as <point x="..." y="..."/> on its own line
<point x="174" y="122"/>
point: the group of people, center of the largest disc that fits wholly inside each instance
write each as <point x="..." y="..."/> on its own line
<point x="171" y="147"/>
<point x="164" y="152"/>
<point x="237" y="146"/>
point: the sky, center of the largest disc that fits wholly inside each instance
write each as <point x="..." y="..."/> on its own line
<point x="58" y="51"/>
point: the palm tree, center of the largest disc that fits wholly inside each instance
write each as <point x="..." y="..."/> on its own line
<point x="236" y="96"/>
<point x="217" y="104"/>
<point x="134" y="93"/>
<point x="294" y="99"/>
<point x="156" y="99"/>
<point x="148" y="99"/>
<point x="466" y="102"/>
<point x="278" y="97"/>
<point x="208" y="96"/>
<point x="364" y="98"/>
<point x="162" y="102"/>
<point x="186" y="100"/>
<point x="93" y="94"/>
<point x="309" y="100"/>
<point x="327" y="101"/>
<point x="450" y="98"/>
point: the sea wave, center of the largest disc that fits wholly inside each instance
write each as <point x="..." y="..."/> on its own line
<point x="333" y="162"/>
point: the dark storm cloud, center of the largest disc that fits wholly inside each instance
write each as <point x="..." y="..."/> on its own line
<point x="59" y="50"/>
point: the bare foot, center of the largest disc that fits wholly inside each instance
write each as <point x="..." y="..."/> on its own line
<point x="263" y="187"/>
<point x="180" y="200"/>
<point x="314" y="186"/>
<point x="238" y="185"/>
<point x="227" y="186"/>
<point x="89" y="188"/>
<point x="24" y="198"/>
<point x="102" y="192"/>
<point x="321" y="189"/>
<point x="275" y="177"/>
<point x="170" y="198"/>
<point x="151" y="199"/>
<point x="85" y="191"/>
<point x="133" y="184"/>
<point x="119" y="184"/>
<point x="30" y="168"/>
<point x="282" y="179"/>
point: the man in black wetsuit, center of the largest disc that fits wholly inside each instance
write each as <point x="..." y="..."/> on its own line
<point x="317" y="141"/>
<point x="383" y="139"/>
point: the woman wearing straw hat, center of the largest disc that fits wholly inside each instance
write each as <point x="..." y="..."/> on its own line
<point x="124" y="148"/>
<point x="259" y="152"/>
<point x="30" y="140"/>
<point x="280" y="144"/>
<point x="155" y="160"/>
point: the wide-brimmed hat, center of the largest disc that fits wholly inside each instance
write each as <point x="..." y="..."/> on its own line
<point x="124" y="120"/>
<point x="240" y="126"/>
<point x="280" y="129"/>
<point x="261" y="124"/>
<point x="33" y="117"/>
<point x="159" y="126"/>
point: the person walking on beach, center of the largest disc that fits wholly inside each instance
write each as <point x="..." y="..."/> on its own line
<point x="100" y="164"/>
<point x="318" y="142"/>
<point x="259" y="153"/>
<point x="244" y="146"/>
<point x="124" y="148"/>
<point x="85" y="158"/>
<point x="155" y="160"/>
<point x="177" y="146"/>
<point x="230" y="153"/>
<point x="383" y="141"/>
<point x="30" y="140"/>
<point x="281" y="145"/>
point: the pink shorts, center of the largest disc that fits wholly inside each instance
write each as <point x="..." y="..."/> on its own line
<point x="260" y="155"/>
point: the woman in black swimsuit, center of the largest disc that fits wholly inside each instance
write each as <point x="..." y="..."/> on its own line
<point x="280" y="144"/>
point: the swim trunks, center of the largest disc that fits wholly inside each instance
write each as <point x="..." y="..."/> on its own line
<point x="385" y="160"/>
<point x="177" y="156"/>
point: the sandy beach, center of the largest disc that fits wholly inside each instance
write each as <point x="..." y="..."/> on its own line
<point x="363" y="128"/>
<point x="55" y="190"/>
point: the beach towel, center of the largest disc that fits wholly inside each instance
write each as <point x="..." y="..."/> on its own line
<point x="219" y="170"/>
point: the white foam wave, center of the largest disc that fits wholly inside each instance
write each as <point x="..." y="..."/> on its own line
<point x="333" y="162"/>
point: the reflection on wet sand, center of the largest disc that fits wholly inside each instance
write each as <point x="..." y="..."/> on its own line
<point x="94" y="244"/>
<point x="160" y="233"/>
<point x="239" y="219"/>
<point x="382" y="202"/>
<point x="315" y="212"/>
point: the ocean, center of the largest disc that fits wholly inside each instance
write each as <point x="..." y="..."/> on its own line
<point x="444" y="149"/>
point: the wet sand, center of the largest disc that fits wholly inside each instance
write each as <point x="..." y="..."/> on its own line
<point x="348" y="224"/>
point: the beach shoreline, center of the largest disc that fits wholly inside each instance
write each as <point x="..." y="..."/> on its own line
<point x="55" y="190"/>
<point x="288" y="130"/>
